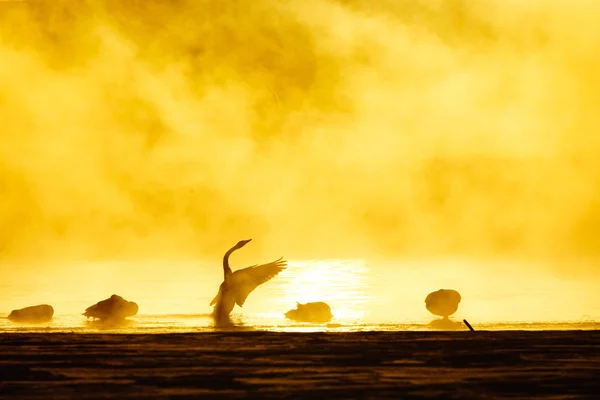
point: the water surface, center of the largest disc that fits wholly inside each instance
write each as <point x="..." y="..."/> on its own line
<point x="174" y="296"/>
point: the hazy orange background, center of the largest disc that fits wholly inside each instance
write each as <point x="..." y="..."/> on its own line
<point x="321" y="129"/>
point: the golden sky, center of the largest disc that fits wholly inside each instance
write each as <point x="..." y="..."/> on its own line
<point x="319" y="128"/>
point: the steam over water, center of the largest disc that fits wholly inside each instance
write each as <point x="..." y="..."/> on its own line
<point x="386" y="148"/>
<point x="175" y="296"/>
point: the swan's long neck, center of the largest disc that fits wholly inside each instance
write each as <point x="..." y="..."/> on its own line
<point x="226" y="269"/>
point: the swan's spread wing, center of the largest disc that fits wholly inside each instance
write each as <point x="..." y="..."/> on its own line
<point x="244" y="281"/>
<point x="212" y="303"/>
<point x="218" y="296"/>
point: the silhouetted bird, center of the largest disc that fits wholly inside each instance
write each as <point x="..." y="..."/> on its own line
<point x="238" y="285"/>
<point x="41" y="313"/>
<point x="443" y="302"/>
<point x="114" y="308"/>
<point x="317" y="312"/>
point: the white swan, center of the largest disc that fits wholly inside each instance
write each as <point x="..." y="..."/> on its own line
<point x="238" y="285"/>
<point x="443" y="302"/>
<point x="114" y="308"/>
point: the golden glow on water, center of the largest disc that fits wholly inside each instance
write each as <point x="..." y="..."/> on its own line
<point x="175" y="296"/>
<point x="343" y="284"/>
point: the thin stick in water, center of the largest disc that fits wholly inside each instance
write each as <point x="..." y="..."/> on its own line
<point x="468" y="325"/>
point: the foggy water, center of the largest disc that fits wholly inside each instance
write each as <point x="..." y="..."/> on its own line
<point x="346" y="129"/>
<point x="175" y="295"/>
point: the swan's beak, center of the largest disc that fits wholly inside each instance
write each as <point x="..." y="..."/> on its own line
<point x="244" y="242"/>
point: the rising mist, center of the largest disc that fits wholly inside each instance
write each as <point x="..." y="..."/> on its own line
<point x="318" y="128"/>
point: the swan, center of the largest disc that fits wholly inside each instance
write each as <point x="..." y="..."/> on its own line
<point x="40" y="313"/>
<point x="443" y="302"/>
<point x="316" y="312"/>
<point x="114" y="308"/>
<point x="238" y="285"/>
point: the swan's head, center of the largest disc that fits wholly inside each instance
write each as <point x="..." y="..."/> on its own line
<point x="242" y="243"/>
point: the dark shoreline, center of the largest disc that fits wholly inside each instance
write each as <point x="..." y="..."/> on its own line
<point x="258" y="364"/>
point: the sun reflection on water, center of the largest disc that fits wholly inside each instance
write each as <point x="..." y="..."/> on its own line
<point x="343" y="284"/>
